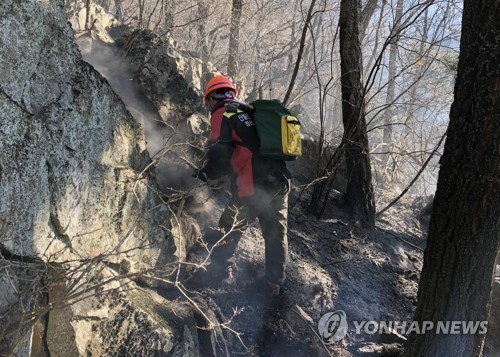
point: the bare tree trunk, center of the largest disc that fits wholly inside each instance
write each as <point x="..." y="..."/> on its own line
<point x="169" y="21"/>
<point x="359" y="187"/>
<point x="202" y="40"/>
<point x="464" y="234"/>
<point x="234" y="38"/>
<point x="391" y="87"/>
<point x="293" y="35"/>
<point x="256" y="92"/>
<point x="87" y="15"/>
<point x="366" y="15"/>
<point x="118" y="10"/>
<point x="301" y="51"/>
<point x="413" y="91"/>
<point x="202" y="31"/>
<point x="377" y="37"/>
<point x="141" y="14"/>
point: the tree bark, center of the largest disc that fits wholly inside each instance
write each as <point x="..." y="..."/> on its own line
<point x="377" y="37"/>
<point x="234" y="38"/>
<point x="464" y="234"/>
<point x="203" y="14"/>
<point x="300" y="53"/>
<point x="141" y="14"/>
<point x="169" y="18"/>
<point x="359" y="187"/>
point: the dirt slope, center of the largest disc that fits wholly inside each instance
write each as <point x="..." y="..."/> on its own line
<point x="334" y="265"/>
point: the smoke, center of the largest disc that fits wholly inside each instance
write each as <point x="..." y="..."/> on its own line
<point x="164" y="144"/>
<point x="111" y="64"/>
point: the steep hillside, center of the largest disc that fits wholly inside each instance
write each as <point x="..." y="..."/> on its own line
<point x="370" y="274"/>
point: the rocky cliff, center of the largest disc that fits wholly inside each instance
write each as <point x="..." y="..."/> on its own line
<point x="67" y="134"/>
<point x="79" y="215"/>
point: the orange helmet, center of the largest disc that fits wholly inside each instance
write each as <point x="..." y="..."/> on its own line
<point x="216" y="83"/>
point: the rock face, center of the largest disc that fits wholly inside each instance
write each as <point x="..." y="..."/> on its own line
<point x="124" y="321"/>
<point x="172" y="82"/>
<point x="171" y="161"/>
<point x="71" y="154"/>
<point x="98" y="19"/>
<point x="72" y="189"/>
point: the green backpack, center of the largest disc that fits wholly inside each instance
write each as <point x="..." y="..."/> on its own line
<point x="278" y="129"/>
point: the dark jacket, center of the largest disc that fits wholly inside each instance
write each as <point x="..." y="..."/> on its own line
<point x="233" y="149"/>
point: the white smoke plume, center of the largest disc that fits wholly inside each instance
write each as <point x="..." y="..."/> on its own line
<point x="172" y="174"/>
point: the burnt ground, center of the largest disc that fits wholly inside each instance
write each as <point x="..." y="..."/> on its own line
<point x="370" y="274"/>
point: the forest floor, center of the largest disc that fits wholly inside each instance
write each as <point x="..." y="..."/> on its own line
<point x="370" y="274"/>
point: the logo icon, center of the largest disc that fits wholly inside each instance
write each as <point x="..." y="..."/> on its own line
<point x="332" y="326"/>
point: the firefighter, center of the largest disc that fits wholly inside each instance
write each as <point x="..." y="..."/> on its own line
<point x="259" y="185"/>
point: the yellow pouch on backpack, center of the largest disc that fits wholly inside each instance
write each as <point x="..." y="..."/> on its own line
<point x="290" y="136"/>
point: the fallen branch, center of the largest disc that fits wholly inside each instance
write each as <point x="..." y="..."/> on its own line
<point x="313" y="331"/>
<point x="401" y="239"/>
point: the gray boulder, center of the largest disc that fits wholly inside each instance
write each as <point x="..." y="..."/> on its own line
<point x="75" y="200"/>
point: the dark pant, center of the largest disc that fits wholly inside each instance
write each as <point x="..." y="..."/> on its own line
<point x="270" y="205"/>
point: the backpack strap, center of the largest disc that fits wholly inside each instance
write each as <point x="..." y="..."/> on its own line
<point x="228" y="115"/>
